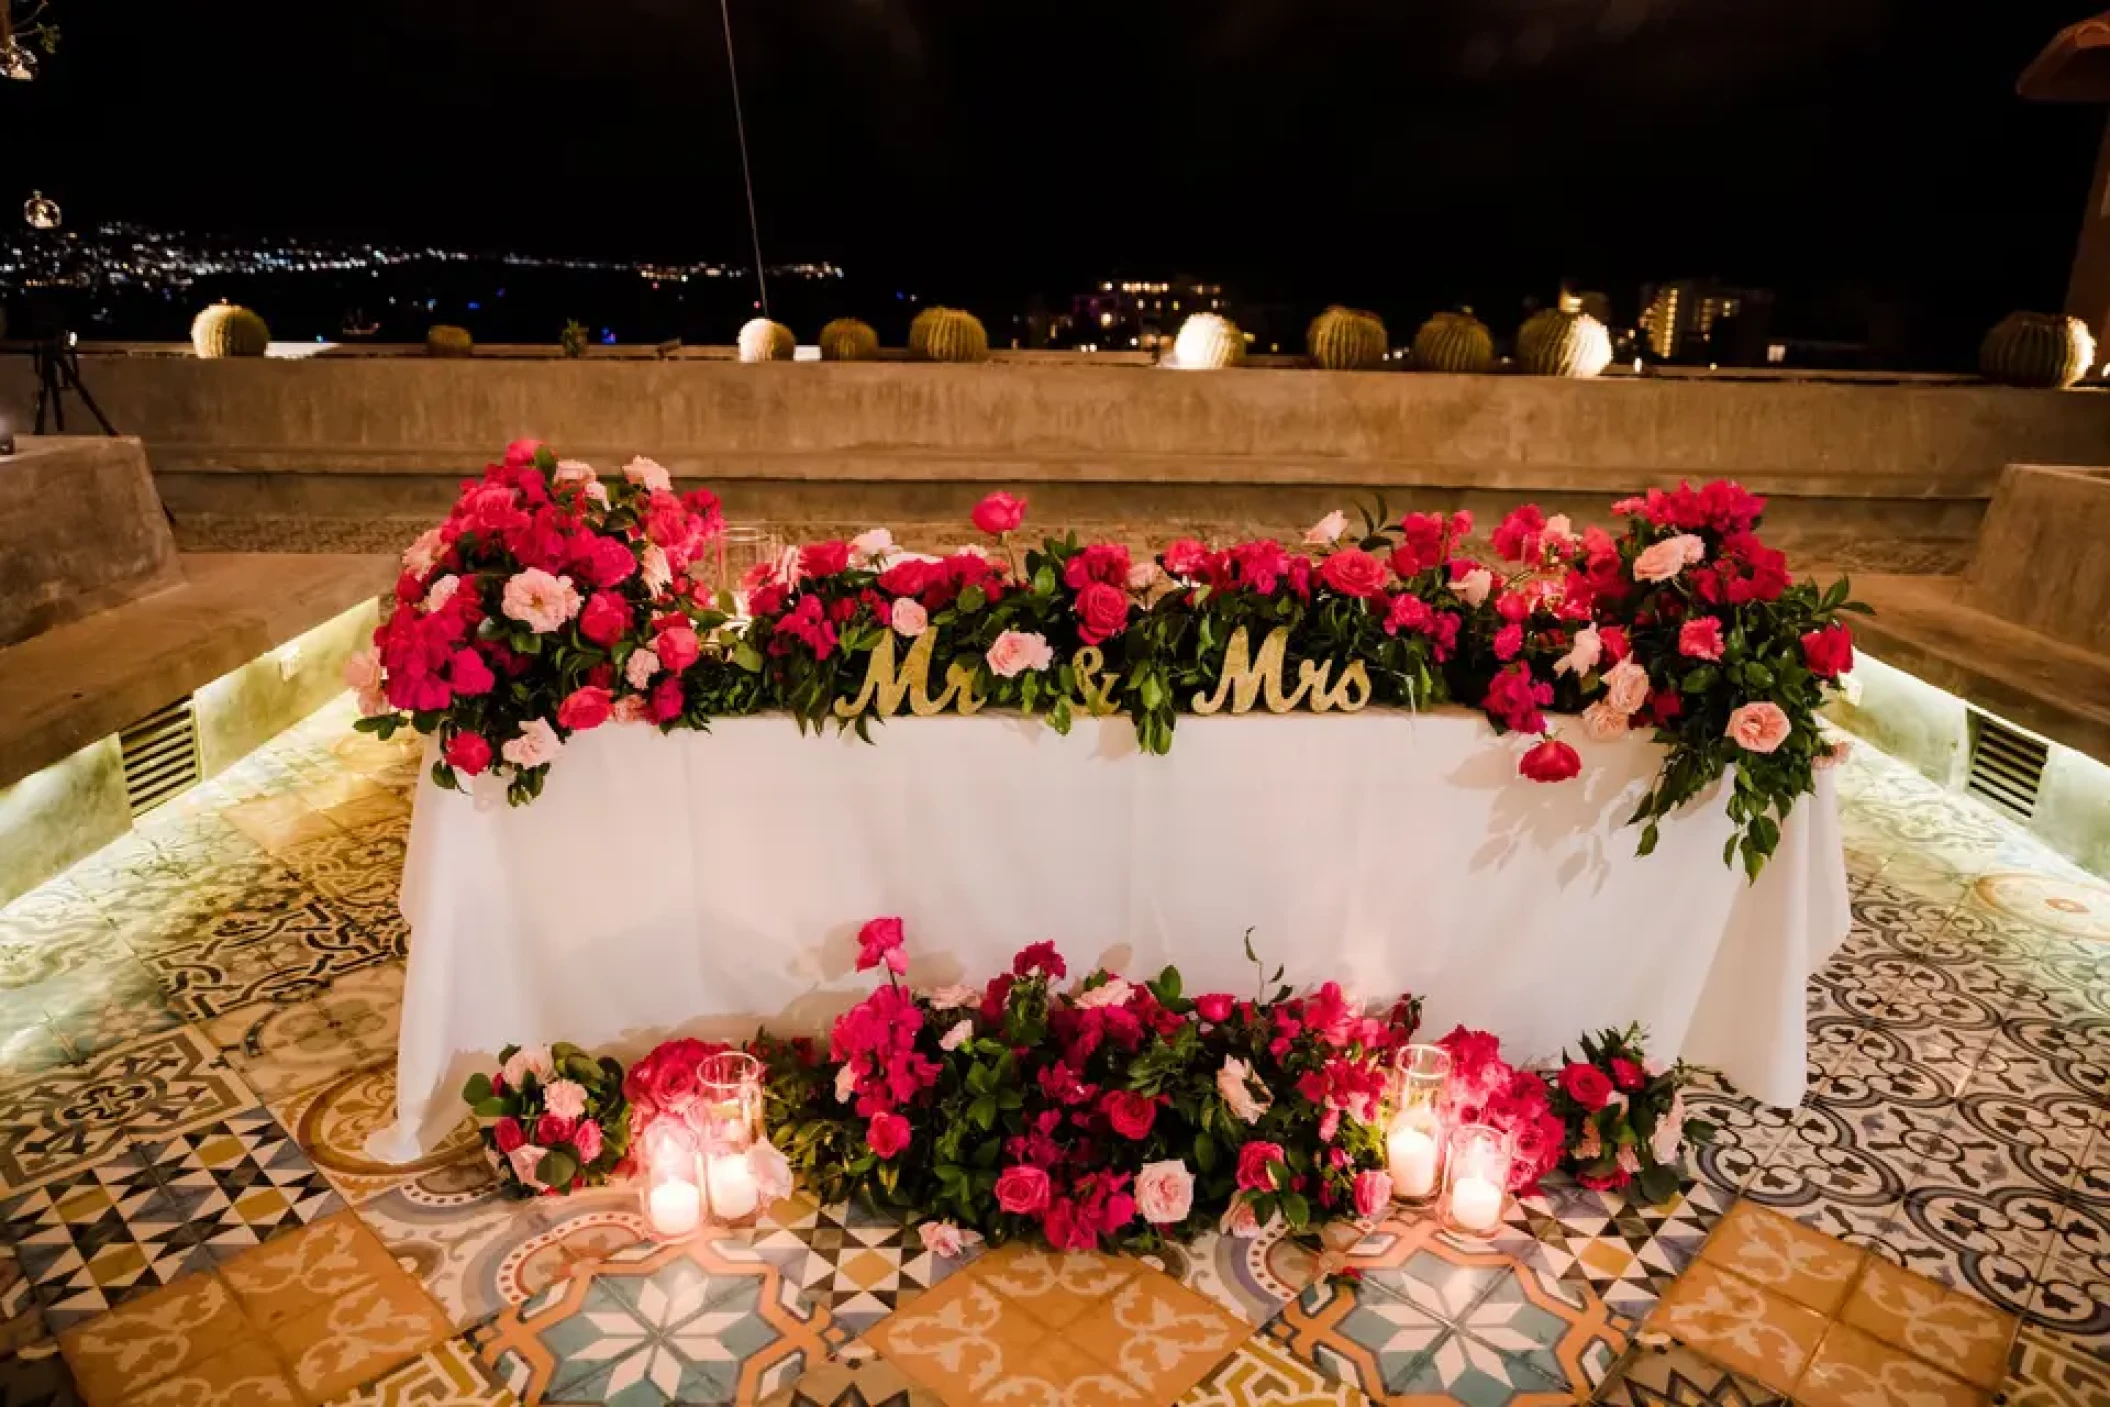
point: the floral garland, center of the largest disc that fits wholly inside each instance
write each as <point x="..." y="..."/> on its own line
<point x="1623" y="1117"/>
<point x="553" y="1119"/>
<point x="552" y="602"/>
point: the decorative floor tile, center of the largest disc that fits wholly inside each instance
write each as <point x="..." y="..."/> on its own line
<point x="1851" y="1369"/>
<point x="248" y="1373"/>
<point x="698" y="1322"/>
<point x="870" y="1382"/>
<point x="857" y="1264"/>
<point x="1262" y="1373"/>
<point x="1252" y="1278"/>
<point x="282" y="955"/>
<point x="333" y="1122"/>
<point x="100" y="1237"/>
<point x="278" y="822"/>
<point x="1159" y="1336"/>
<point x="1055" y="1288"/>
<point x="120" y="1355"/>
<point x="2070" y="910"/>
<point x="1756" y="1332"/>
<point x="67" y="1120"/>
<point x="361" y="1333"/>
<point x="283" y="1049"/>
<point x="1989" y="1242"/>
<point x="2072" y="1294"/>
<point x="304" y="1271"/>
<point x="50" y="932"/>
<point x="447" y="1376"/>
<point x="1783" y="1256"/>
<point x="1954" y="1331"/>
<point x="961" y="1339"/>
<point x="1625" y="1251"/>
<point x="1675" y="1376"/>
<point x="2049" y="1369"/>
<point x="240" y="1182"/>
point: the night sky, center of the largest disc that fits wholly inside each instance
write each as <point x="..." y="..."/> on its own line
<point x="1385" y="152"/>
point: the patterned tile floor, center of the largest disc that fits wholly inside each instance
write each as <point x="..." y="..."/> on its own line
<point x="195" y="1027"/>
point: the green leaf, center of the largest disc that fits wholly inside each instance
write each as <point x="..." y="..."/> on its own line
<point x="1649" y="836"/>
<point x="558" y="1167"/>
<point x="1295" y="1210"/>
<point x="745" y="656"/>
<point x="1205" y="1152"/>
<point x="478" y="1089"/>
<point x="493" y="1108"/>
<point x="1700" y="680"/>
<point x="983" y="1112"/>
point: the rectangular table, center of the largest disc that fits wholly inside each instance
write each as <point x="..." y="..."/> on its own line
<point x="706" y="883"/>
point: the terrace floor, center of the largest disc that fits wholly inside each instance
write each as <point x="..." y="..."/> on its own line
<point x="195" y="1032"/>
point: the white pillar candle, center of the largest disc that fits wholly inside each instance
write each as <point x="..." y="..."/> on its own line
<point x="676" y="1207"/>
<point x="733" y="1191"/>
<point x="1411" y="1159"/>
<point x="1476" y="1203"/>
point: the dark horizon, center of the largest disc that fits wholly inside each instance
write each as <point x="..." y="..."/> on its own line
<point x="1340" y="152"/>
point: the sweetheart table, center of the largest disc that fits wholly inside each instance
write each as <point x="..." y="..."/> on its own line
<point x="706" y="883"/>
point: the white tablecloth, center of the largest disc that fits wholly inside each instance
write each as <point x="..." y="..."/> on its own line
<point x="706" y="883"/>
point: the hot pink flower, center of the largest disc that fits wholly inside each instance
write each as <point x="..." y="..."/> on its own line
<point x="1586" y="1085"/>
<point x="817" y="559"/>
<point x="605" y="618"/>
<point x="999" y="513"/>
<point x="507" y="1134"/>
<point x="469" y="675"/>
<point x="1354" y="572"/>
<point x="553" y="1129"/>
<point x="1373" y="1193"/>
<point x="879" y="943"/>
<point x="1700" y="638"/>
<point x="1254" y="1172"/>
<point x="1214" y="1007"/>
<point x="1184" y="557"/>
<point x="1131" y="1115"/>
<point x="585" y="708"/>
<point x="1759" y="727"/>
<point x="888" y="1134"/>
<point x="468" y="753"/>
<point x="1829" y="652"/>
<point x="587" y="1139"/>
<point x="1102" y="612"/>
<point x="1022" y="1189"/>
<point x="677" y="648"/>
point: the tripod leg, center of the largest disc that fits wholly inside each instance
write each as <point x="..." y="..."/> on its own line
<point x="80" y="388"/>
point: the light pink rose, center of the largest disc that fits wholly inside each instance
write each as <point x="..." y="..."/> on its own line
<point x="641" y="666"/>
<point x="1373" y="1193"/>
<point x="528" y="1060"/>
<point x="537" y="743"/>
<point x="565" y="1098"/>
<point x="1669" y="1138"/>
<point x="1144" y="575"/>
<point x="1234" y="1083"/>
<point x="525" y="1159"/>
<point x="771" y="1171"/>
<point x="362" y="674"/>
<point x="1016" y="651"/>
<point x="871" y="545"/>
<point x="1663" y="560"/>
<point x="1832" y="756"/>
<point x="845" y="1084"/>
<point x="961" y="1033"/>
<point x="1583" y="653"/>
<point x="630" y="708"/>
<point x="1628" y="1161"/>
<point x="1165" y="1192"/>
<point x="648" y="475"/>
<point x="653" y="569"/>
<point x="540" y="601"/>
<point x="441" y="593"/>
<point x="1474" y="586"/>
<point x="1626" y="687"/>
<point x="1112" y="992"/>
<point x="1604" y="723"/>
<point x="1327" y="531"/>
<point x="424" y="554"/>
<point x="573" y="471"/>
<point x="908" y="618"/>
<point x="1759" y="727"/>
<point x="1241" y="1223"/>
<point x="941" y="1238"/>
<point x="1558" y="527"/>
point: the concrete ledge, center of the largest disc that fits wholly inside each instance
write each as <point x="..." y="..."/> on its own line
<point x="70" y="687"/>
<point x="1930" y="628"/>
<point x="82" y="532"/>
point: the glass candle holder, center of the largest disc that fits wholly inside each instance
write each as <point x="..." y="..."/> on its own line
<point x="672" y="1189"/>
<point x="730" y="555"/>
<point x="731" y="1115"/>
<point x="1414" y="1134"/>
<point x="1475" y="1179"/>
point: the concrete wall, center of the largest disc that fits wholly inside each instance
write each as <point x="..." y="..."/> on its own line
<point x="2048" y="525"/>
<point x="80" y="532"/>
<point x="346" y="454"/>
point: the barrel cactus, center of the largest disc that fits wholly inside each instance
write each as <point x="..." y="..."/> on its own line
<point x="1346" y="339"/>
<point x="441" y="340"/>
<point x="1563" y="342"/>
<point x="849" y="340"/>
<point x="573" y="338"/>
<point x="2037" y="349"/>
<point x="1454" y="342"/>
<point x="947" y="335"/>
<point x="224" y="330"/>
<point x="764" y="341"/>
<point x="1206" y="341"/>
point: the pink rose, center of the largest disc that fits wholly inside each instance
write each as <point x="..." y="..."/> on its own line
<point x="908" y="618"/>
<point x="1255" y="1173"/>
<point x="540" y="601"/>
<point x="526" y="1159"/>
<point x="1016" y="651"/>
<point x="648" y="475"/>
<point x="1603" y="723"/>
<point x="677" y="648"/>
<point x="1184" y="556"/>
<point x="469" y="675"/>
<point x="536" y="744"/>
<point x="640" y="667"/>
<point x="605" y="618"/>
<point x="1165" y="1192"/>
<point x="1022" y="1189"/>
<point x="1758" y="727"/>
<point x="941" y="1238"/>
<point x="468" y="753"/>
<point x="961" y="1033"/>
<point x="1832" y="756"/>
<point x="1240" y="1221"/>
<point x="1626" y="687"/>
<point x="362" y="674"/>
<point x="771" y="1171"/>
<point x="1663" y="560"/>
<point x="1551" y="761"/>
<point x="817" y="559"/>
<point x="1586" y="1085"/>
<point x="1354" y="572"/>
<point x="999" y="513"/>
<point x="508" y="1134"/>
<point x="586" y="707"/>
<point x="1583" y="653"/>
<point x="553" y="1129"/>
<point x="586" y="1137"/>
<point x="1234" y="1083"/>
<point x="887" y="1133"/>
<point x="1214" y="1007"/>
<point x="879" y="943"/>
<point x="872" y="545"/>
<point x="1373" y="1192"/>
<point x="1130" y="1114"/>
<point x="521" y="453"/>
<point x="1700" y="638"/>
<point x="1102" y="612"/>
<point x="565" y="1098"/>
<point x="1327" y="531"/>
<point x="1472" y="585"/>
<point x="1829" y="652"/>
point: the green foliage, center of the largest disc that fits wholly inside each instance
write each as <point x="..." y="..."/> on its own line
<point x="2048" y="350"/>
<point x="507" y="1114"/>
<point x="940" y="334"/>
<point x="1563" y="342"/>
<point x="225" y="330"/>
<point x="1635" y="1128"/>
<point x="849" y="340"/>
<point x="442" y="340"/>
<point x="1208" y="341"/>
<point x="1458" y="343"/>
<point x="1346" y="339"/>
<point x="764" y="341"/>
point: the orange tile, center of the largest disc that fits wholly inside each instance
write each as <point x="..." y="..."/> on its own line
<point x="1783" y="1255"/>
<point x="295" y="1273"/>
<point x="1157" y="1334"/>
<point x="1852" y="1369"/>
<point x="359" y="1335"/>
<point x="1758" y="1333"/>
<point x="248" y="1374"/>
<point x="960" y="1339"/>
<point x="1055" y="1372"/>
<point x="1954" y="1331"/>
<point x="117" y="1356"/>
<point x="1054" y="1287"/>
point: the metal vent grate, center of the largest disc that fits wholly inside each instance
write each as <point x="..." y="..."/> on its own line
<point x="161" y="755"/>
<point x="2007" y="767"/>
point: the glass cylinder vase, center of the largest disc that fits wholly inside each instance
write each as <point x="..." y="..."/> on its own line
<point x="1414" y="1131"/>
<point x="671" y="1189"/>
<point x="732" y="553"/>
<point x="1475" y="1179"/>
<point x="730" y="1123"/>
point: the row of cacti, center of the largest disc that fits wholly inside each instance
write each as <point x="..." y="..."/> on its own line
<point x="1552" y="342"/>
